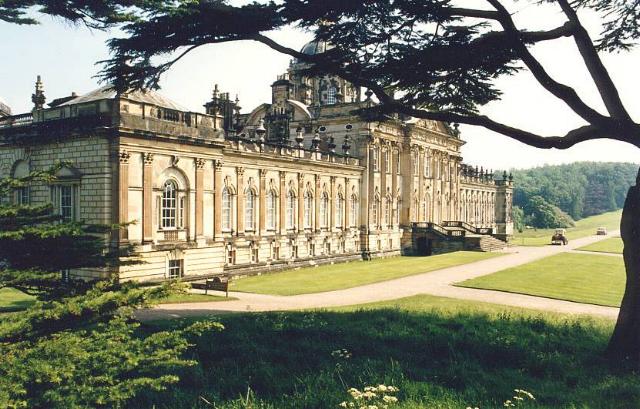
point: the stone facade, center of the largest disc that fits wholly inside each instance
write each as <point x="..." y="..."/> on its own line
<point x="299" y="181"/>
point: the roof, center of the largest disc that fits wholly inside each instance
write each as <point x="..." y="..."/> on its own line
<point x="316" y="47"/>
<point x="4" y="108"/>
<point x="143" y="96"/>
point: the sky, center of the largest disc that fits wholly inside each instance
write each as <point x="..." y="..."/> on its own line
<point x="67" y="56"/>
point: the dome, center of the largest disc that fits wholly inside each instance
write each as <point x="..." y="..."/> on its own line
<point x="5" y="110"/>
<point x="316" y="47"/>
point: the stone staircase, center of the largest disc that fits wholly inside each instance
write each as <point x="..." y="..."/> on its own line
<point x="483" y="243"/>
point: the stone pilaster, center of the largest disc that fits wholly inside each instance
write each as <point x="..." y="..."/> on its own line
<point x="394" y="186"/>
<point x="240" y="205"/>
<point x="383" y="186"/>
<point x="123" y="195"/>
<point x="263" y="201"/>
<point x="422" y="157"/>
<point x="371" y="195"/>
<point x="217" y="200"/>
<point x="283" y="203"/>
<point x="332" y="204"/>
<point x="316" y="218"/>
<point x="300" y="202"/>
<point x="199" y="165"/>
<point x="147" y="198"/>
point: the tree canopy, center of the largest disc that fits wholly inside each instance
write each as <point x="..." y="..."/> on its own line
<point x="579" y="189"/>
<point x="77" y="346"/>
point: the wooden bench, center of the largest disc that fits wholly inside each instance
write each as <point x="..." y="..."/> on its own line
<point x="217" y="284"/>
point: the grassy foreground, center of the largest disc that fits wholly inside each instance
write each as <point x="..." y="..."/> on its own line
<point x="612" y="245"/>
<point x="584" y="227"/>
<point x="346" y="275"/>
<point x="14" y="300"/>
<point x="586" y="278"/>
<point x="440" y="353"/>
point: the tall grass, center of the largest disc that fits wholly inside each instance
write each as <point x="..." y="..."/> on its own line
<point x="451" y="357"/>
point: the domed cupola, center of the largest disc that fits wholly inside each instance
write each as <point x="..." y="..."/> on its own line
<point x="316" y="47"/>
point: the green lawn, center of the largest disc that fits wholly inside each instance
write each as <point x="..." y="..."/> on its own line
<point x="586" y="278"/>
<point x="583" y="228"/>
<point x="353" y="274"/>
<point x="612" y="245"/>
<point x="441" y="353"/>
<point x="14" y="300"/>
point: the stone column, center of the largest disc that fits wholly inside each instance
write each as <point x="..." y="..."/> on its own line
<point x="394" y="186"/>
<point x="422" y="157"/>
<point x="346" y="222"/>
<point x="283" y="203"/>
<point x="123" y="196"/>
<point x="199" y="165"/>
<point x="147" y="198"/>
<point x="217" y="200"/>
<point x="367" y="209"/>
<point x="240" y="200"/>
<point x="316" y="218"/>
<point x="300" y="202"/>
<point x="332" y="204"/>
<point x="383" y="186"/>
<point x="263" y="201"/>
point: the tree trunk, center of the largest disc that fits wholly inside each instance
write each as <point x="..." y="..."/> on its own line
<point x="625" y="341"/>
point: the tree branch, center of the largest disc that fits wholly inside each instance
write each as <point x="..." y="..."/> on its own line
<point x="581" y="134"/>
<point x="565" y="93"/>
<point x="597" y="70"/>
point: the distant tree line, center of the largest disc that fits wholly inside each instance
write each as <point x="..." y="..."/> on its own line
<point x="555" y="196"/>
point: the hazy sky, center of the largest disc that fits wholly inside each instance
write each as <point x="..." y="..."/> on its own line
<point x="66" y="58"/>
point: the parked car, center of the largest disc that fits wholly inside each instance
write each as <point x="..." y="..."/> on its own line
<point x="602" y="231"/>
<point x="559" y="238"/>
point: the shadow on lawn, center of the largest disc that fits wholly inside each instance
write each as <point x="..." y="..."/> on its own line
<point x="437" y="359"/>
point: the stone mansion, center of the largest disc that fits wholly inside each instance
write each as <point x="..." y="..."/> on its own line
<point x="300" y="180"/>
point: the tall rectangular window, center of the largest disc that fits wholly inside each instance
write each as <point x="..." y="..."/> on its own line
<point x="291" y="210"/>
<point x="271" y="210"/>
<point x="175" y="269"/>
<point x="375" y="152"/>
<point x="387" y="161"/>
<point x="64" y="199"/>
<point x="249" y="210"/>
<point x="227" y="210"/>
<point x="308" y="205"/>
<point x="23" y="196"/>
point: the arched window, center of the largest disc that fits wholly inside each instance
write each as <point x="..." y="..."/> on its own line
<point x="227" y="209"/>
<point x="331" y="95"/>
<point x="387" y="211"/>
<point x="387" y="161"/>
<point x="250" y="210"/>
<point x="340" y="211"/>
<point x="22" y="195"/>
<point x="423" y="210"/>
<point x="375" y="213"/>
<point x="308" y="206"/>
<point x="291" y="210"/>
<point x="426" y="166"/>
<point x="271" y="210"/>
<point x="170" y="213"/>
<point x="324" y="210"/>
<point x="376" y="153"/>
<point x="353" y="210"/>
